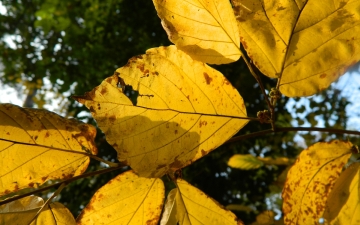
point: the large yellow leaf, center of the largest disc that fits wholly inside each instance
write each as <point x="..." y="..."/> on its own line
<point x="206" y="30"/>
<point x="311" y="179"/>
<point x="343" y="203"/>
<point x="306" y="44"/>
<point x="184" y="109"/>
<point x="22" y="211"/>
<point x="37" y="145"/>
<point x="193" y="207"/>
<point x="126" y="199"/>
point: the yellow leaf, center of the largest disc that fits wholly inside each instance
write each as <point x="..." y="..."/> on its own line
<point x="244" y="162"/>
<point x="194" y="207"/>
<point x="184" y="110"/>
<point x="311" y="179"/>
<point x="306" y="44"/>
<point x="343" y="203"/>
<point x="37" y="145"/>
<point x="206" y="30"/>
<point x="23" y="211"/>
<point x="126" y="199"/>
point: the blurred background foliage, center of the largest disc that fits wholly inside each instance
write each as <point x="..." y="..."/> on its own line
<point x="74" y="45"/>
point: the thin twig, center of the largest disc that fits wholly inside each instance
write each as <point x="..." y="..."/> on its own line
<point x="289" y="129"/>
<point x="270" y="106"/>
<point x="98" y="172"/>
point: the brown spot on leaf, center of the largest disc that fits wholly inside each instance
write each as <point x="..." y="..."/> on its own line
<point x="207" y="78"/>
<point x="112" y="119"/>
<point x="202" y="123"/>
<point x="203" y="152"/>
<point x="141" y="67"/>
<point x="323" y="75"/>
<point x="92" y="109"/>
<point x="103" y="90"/>
<point x="176" y="131"/>
<point x="243" y="42"/>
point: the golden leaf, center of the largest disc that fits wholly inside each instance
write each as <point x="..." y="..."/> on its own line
<point x="126" y="199"/>
<point x="306" y="44"/>
<point x="244" y="162"/>
<point x="37" y="145"/>
<point x="343" y="203"/>
<point x="206" y="30"/>
<point x="184" y="110"/>
<point x="311" y="179"/>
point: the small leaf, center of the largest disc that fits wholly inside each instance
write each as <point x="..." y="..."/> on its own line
<point x="126" y="199"/>
<point x="311" y="179"/>
<point x="343" y="203"/>
<point x="38" y="145"/>
<point x="169" y="214"/>
<point x="306" y="44"/>
<point x="183" y="110"/>
<point x="244" y="162"/>
<point x="22" y="211"/>
<point x="206" y="30"/>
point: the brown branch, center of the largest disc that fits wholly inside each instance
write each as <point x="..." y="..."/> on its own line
<point x="257" y="78"/>
<point x="289" y="129"/>
<point x="98" y="172"/>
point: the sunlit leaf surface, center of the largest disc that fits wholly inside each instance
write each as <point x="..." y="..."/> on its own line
<point x="126" y="199"/>
<point x="311" y="179"/>
<point x="306" y="44"/>
<point x="244" y="162"/>
<point x="206" y="30"/>
<point x="195" y="207"/>
<point x="23" y="211"/>
<point x="37" y="145"/>
<point x="343" y="203"/>
<point x="183" y="110"/>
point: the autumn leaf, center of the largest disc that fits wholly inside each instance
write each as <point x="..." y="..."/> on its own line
<point x="37" y="145"/>
<point x="206" y="30"/>
<point x="192" y="206"/>
<point x="169" y="215"/>
<point x="306" y="44"/>
<point x="311" y="179"/>
<point x="343" y="203"/>
<point x="244" y="162"/>
<point x="22" y="211"/>
<point x="184" y="110"/>
<point x="126" y="199"/>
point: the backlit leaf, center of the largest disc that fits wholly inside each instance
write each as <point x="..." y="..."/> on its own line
<point x="37" y="145"/>
<point x="206" y="30"/>
<point x="22" y="211"/>
<point x="244" y="162"/>
<point x="343" y="203"/>
<point x="306" y="44"/>
<point x="184" y="110"/>
<point x="169" y="214"/>
<point x="193" y="207"/>
<point x="311" y="179"/>
<point x="126" y="199"/>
